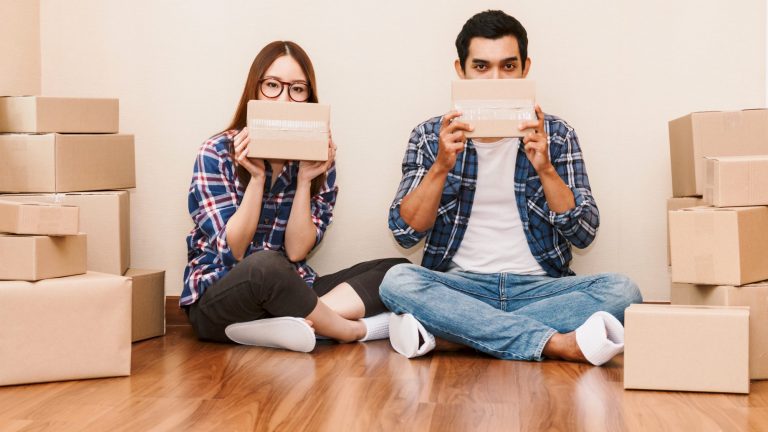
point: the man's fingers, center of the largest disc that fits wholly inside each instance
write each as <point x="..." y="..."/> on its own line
<point x="448" y="118"/>
<point x="528" y="125"/>
<point x="455" y="137"/>
<point x="460" y="126"/>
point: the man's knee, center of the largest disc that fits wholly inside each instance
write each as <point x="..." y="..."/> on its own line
<point x="623" y="292"/>
<point x="399" y="280"/>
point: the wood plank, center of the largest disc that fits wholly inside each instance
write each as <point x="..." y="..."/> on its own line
<point x="180" y="383"/>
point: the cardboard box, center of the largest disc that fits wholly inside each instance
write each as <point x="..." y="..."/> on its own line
<point x="686" y="348"/>
<point x="32" y="258"/>
<point x="719" y="246"/>
<point x="38" y="218"/>
<point x="19" y="47"/>
<point x="104" y="218"/>
<point x="66" y="163"/>
<point x="754" y="296"/>
<point x="36" y="114"/>
<point x="288" y="130"/>
<point x="494" y="107"/>
<point x="76" y="327"/>
<point x="148" y="314"/>
<point x="696" y="136"/>
<point x="736" y="181"/>
<point x="677" y="204"/>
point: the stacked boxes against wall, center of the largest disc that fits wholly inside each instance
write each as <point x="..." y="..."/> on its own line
<point x="718" y="248"/>
<point x="65" y="304"/>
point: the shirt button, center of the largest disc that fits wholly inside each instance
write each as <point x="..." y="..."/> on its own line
<point x="266" y="220"/>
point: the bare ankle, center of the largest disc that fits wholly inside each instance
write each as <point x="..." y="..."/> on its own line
<point x="564" y="347"/>
<point x="356" y="331"/>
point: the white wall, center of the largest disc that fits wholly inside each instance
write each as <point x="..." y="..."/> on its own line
<point x="616" y="71"/>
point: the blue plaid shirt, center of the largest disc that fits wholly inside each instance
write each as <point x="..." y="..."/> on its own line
<point x="549" y="234"/>
<point x="215" y="193"/>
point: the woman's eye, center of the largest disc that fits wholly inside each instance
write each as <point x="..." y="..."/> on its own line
<point x="272" y="84"/>
<point x="298" y="89"/>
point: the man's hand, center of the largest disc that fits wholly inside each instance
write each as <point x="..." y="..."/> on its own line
<point x="536" y="144"/>
<point x="451" y="140"/>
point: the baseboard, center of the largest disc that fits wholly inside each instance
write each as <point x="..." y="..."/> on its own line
<point x="174" y="315"/>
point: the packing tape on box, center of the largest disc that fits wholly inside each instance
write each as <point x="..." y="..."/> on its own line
<point x="491" y="109"/>
<point x="270" y="129"/>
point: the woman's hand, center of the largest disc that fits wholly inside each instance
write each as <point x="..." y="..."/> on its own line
<point x="308" y="170"/>
<point x="254" y="166"/>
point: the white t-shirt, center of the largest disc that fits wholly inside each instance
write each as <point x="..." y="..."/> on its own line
<point x="495" y="241"/>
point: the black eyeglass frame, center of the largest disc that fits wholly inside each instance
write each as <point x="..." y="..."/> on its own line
<point x="282" y="88"/>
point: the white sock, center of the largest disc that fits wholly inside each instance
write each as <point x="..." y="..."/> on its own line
<point x="600" y="338"/>
<point x="377" y="327"/>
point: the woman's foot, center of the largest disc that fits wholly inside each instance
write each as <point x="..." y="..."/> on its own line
<point x="294" y="334"/>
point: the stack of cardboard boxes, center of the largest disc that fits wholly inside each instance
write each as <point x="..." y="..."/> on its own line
<point x="714" y="336"/>
<point x="69" y="304"/>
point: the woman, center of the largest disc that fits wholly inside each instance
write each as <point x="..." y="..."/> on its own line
<point x="256" y="221"/>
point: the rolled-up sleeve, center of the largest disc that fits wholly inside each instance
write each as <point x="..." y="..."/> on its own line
<point x="579" y="224"/>
<point x="212" y="201"/>
<point x="322" y="203"/>
<point x="416" y="163"/>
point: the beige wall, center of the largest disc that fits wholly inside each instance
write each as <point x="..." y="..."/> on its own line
<point x="616" y="71"/>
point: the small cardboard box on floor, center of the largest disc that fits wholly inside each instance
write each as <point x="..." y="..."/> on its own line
<point x="736" y="181"/>
<point x="37" y="114"/>
<point x="494" y="108"/>
<point x="148" y="314"/>
<point x="66" y="163"/>
<point x="678" y="204"/>
<point x="686" y="348"/>
<point x="67" y="328"/>
<point x="19" y="47"/>
<point x="32" y="258"/>
<point x="290" y="131"/>
<point x="719" y="246"/>
<point x="696" y="136"/>
<point x="754" y="296"/>
<point x="104" y="218"/>
<point x="38" y="218"/>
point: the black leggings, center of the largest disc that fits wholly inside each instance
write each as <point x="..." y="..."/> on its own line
<point x="265" y="284"/>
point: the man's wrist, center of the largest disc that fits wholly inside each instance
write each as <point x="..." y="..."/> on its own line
<point x="548" y="172"/>
<point x="439" y="170"/>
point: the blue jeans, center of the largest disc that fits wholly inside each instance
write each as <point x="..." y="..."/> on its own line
<point x="505" y="315"/>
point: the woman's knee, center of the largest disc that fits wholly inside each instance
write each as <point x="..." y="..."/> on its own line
<point x="266" y="262"/>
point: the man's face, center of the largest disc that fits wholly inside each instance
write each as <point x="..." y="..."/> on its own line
<point x="493" y="59"/>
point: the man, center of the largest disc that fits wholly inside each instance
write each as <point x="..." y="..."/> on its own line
<point x="499" y="216"/>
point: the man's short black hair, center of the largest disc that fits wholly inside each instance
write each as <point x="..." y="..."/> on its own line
<point x="491" y="24"/>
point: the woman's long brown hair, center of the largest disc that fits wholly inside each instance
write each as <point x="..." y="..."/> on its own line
<point x="261" y="63"/>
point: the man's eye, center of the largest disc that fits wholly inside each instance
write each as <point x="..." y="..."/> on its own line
<point x="481" y="67"/>
<point x="509" y="66"/>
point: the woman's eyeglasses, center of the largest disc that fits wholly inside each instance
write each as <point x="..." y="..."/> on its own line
<point x="298" y="91"/>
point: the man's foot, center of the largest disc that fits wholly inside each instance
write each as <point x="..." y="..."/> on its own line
<point x="408" y="337"/>
<point x="597" y="341"/>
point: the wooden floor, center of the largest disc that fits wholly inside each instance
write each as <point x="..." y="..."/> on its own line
<point x="180" y="384"/>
